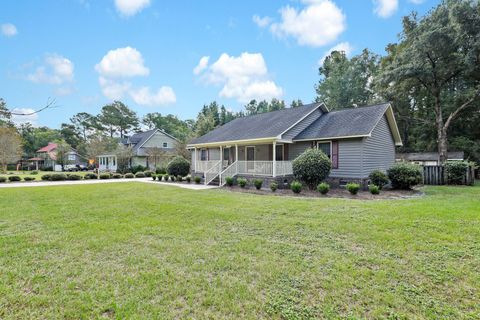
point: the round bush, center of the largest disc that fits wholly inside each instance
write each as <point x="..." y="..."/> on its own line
<point x="3" y="179"/>
<point x="34" y="172"/>
<point x="273" y="186"/>
<point x="172" y="178"/>
<point x="90" y="176"/>
<point x="323" y="188"/>
<point x="404" y="175"/>
<point x="353" y="187"/>
<point x="456" y="171"/>
<point x="188" y="179"/>
<point x="46" y="177"/>
<point x="179" y="178"/>
<point x="154" y="177"/>
<point x="312" y="167"/>
<point x="148" y="173"/>
<point x="105" y="176"/>
<point x="14" y="178"/>
<point x="178" y="166"/>
<point x="296" y="187"/>
<point x="29" y="178"/>
<point x="378" y="178"/>
<point x="74" y="177"/>
<point x="242" y="182"/>
<point x="374" y="189"/>
<point x="258" y="183"/>
<point x="117" y="176"/>
<point x="58" y="177"/>
<point x="129" y="175"/>
<point x="140" y="175"/>
<point x="197" y="179"/>
<point x="160" y="170"/>
<point x="229" y="181"/>
<point x="138" y="168"/>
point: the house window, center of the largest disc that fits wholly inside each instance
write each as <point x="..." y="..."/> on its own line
<point x="279" y="152"/>
<point x="114" y="161"/>
<point x="203" y="155"/>
<point x="326" y="147"/>
<point x="165" y="145"/>
<point x="71" y="157"/>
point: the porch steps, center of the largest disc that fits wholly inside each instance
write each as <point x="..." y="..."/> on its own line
<point x="215" y="182"/>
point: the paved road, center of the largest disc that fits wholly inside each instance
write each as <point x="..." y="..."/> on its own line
<point x="65" y="183"/>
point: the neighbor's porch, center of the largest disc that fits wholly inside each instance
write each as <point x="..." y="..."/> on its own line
<point x="256" y="159"/>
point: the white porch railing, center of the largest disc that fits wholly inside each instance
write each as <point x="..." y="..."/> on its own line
<point x="204" y="166"/>
<point x="213" y="172"/>
<point x="265" y="168"/>
<point x="230" y="171"/>
<point x="284" y="168"/>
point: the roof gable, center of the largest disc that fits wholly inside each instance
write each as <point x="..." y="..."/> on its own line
<point x="48" y="148"/>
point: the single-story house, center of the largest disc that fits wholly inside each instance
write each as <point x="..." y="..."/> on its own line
<point x="142" y="144"/>
<point x="47" y="158"/>
<point x="428" y="158"/>
<point x="357" y="141"/>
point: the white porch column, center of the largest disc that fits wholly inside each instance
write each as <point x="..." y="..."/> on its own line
<point x="236" y="152"/>
<point x="196" y="159"/>
<point x="274" y="158"/>
<point x="221" y="157"/>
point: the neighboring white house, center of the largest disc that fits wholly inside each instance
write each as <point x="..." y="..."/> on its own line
<point x="140" y="143"/>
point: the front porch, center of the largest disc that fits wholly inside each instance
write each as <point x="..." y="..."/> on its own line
<point x="268" y="160"/>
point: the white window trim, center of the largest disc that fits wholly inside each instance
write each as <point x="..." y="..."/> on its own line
<point x="324" y="142"/>
<point x="206" y="153"/>
<point x="165" y="144"/>
<point x="254" y="152"/>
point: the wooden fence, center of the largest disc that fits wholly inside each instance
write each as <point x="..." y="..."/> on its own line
<point x="436" y="175"/>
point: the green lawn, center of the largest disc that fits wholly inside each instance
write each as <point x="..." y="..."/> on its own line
<point x="38" y="176"/>
<point x="135" y="250"/>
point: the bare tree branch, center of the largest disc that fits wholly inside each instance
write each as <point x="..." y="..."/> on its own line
<point x="50" y="104"/>
<point x="463" y="106"/>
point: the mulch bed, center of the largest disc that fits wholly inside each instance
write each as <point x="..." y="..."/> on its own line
<point x="333" y="193"/>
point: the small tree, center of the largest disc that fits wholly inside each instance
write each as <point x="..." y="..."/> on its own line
<point x="62" y="151"/>
<point x="124" y="155"/>
<point x="10" y="147"/>
<point x="156" y="156"/>
<point x="312" y="167"/>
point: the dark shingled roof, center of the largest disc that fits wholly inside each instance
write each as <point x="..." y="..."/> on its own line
<point x="264" y="125"/>
<point x="139" y="138"/>
<point x="344" y="123"/>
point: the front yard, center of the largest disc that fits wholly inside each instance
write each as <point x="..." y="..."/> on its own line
<point x="136" y="250"/>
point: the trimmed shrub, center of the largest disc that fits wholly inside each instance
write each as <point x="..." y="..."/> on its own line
<point x="296" y="186"/>
<point x="258" y="183"/>
<point x="140" y="175"/>
<point x="374" y="189"/>
<point x="188" y="179"/>
<point x="34" y="172"/>
<point x="117" y="176"/>
<point x="242" y="182"/>
<point x="138" y="168"/>
<point x="197" y="179"/>
<point x="172" y="178"/>
<point x="378" y="178"/>
<point x="179" y="178"/>
<point x="58" y="177"/>
<point x="179" y="166"/>
<point x="154" y="177"/>
<point x="404" y="175"/>
<point x="273" y="186"/>
<point x="353" y="187"/>
<point x="148" y="173"/>
<point x="90" y="176"/>
<point x="160" y="170"/>
<point x="166" y="177"/>
<point x="46" y="177"/>
<point x="14" y="179"/>
<point x="456" y="171"/>
<point x="105" y="176"/>
<point x="129" y="175"/>
<point x="29" y="178"/>
<point x="3" y="179"/>
<point x="312" y="167"/>
<point x="229" y="181"/>
<point x="323" y="188"/>
<point x="73" y="177"/>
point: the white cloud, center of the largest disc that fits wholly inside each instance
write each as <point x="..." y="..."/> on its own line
<point x="342" y="46"/>
<point x="261" y="22"/>
<point x="202" y="65"/>
<point x="316" y="25"/>
<point x="385" y="8"/>
<point x="131" y="7"/>
<point x="19" y="119"/>
<point x="55" y="70"/>
<point x="8" y="30"/>
<point x="417" y="1"/>
<point x="122" y="62"/>
<point x="242" y="78"/>
<point x="144" y="96"/>
<point x="112" y="89"/>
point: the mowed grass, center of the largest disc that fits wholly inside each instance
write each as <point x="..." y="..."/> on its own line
<point x="137" y="250"/>
<point x="38" y="176"/>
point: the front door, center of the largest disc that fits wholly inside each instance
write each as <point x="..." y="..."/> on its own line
<point x="226" y="156"/>
<point x="250" y="158"/>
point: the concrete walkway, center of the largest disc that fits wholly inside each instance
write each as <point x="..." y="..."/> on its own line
<point x="96" y="181"/>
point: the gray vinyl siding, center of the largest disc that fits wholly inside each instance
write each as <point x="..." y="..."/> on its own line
<point x="349" y="157"/>
<point x="379" y="149"/>
<point x="302" y="125"/>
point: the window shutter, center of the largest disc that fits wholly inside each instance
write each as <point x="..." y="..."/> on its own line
<point x="334" y="154"/>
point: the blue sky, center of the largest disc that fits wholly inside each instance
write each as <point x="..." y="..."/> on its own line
<point x="175" y="56"/>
